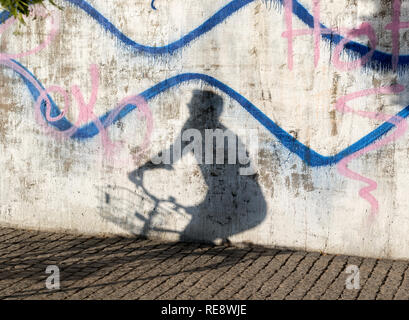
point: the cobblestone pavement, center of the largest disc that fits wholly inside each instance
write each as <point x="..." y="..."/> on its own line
<point x="135" y="268"/>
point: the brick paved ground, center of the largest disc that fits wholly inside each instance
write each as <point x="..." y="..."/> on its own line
<point x="123" y="268"/>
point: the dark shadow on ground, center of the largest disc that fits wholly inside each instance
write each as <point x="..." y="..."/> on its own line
<point x="80" y="257"/>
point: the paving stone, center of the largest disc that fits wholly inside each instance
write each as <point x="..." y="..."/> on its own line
<point x="137" y="268"/>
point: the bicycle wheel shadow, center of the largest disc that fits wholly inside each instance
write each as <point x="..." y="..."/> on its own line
<point x="137" y="213"/>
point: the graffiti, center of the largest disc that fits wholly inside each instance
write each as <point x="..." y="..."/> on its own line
<point x="367" y="30"/>
<point x="395" y="27"/>
<point x="89" y="125"/>
<point x="317" y="31"/>
<point x="86" y="113"/>
<point x="367" y="56"/>
<point x="36" y="11"/>
<point x="401" y="128"/>
<point x="45" y="108"/>
<point x="379" y="60"/>
<point x="308" y="155"/>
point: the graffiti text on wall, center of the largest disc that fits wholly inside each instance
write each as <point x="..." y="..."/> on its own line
<point x="364" y="57"/>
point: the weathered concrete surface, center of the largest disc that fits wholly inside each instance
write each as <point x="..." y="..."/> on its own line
<point x="54" y="183"/>
<point x="133" y="268"/>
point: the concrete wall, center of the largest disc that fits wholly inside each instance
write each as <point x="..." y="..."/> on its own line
<point x="330" y="162"/>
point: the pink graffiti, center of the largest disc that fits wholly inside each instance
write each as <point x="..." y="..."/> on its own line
<point x="317" y="31"/>
<point x="36" y="11"/>
<point x="401" y="127"/>
<point x="364" y="29"/>
<point x="86" y="113"/>
<point x="395" y="26"/>
<point x="291" y="33"/>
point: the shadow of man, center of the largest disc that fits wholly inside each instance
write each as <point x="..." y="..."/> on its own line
<point x="234" y="201"/>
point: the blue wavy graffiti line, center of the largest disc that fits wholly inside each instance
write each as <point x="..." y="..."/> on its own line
<point x="4" y="16"/>
<point x="153" y="5"/>
<point x="208" y="25"/>
<point x="379" y="60"/>
<point x="305" y="153"/>
<point x="308" y="155"/>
